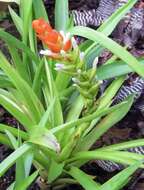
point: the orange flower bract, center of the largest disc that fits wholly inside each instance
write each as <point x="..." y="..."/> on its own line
<point x="50" y="37"/>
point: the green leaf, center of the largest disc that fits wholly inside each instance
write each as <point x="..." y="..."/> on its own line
<point x="45" y="118"/>
<point x="23" y="167"/>
<point x="27" y="94"/>
<point x="20" y="172"/>
<point x="16" y="19"/>
<point x="14" y="108"/>
<point x="57" y="116"/>
<point x="38" y="78"/>
<point x="88" y="118"/>
<point x="114" y="47"/>
<point x="4" y="81"/>
<point x="43" y="137"/>
<point x="113" y="70"/>
<point x="124" y="145"/>
<point x="55" y="171"/>
<point x="106" y="123"/>
<point x="95" y="52"/>
<point x="73" y="114"/>
<point x="12" y="158"/>
<point x="61" y="15"/>
<point x="62" y="81"/>
<point x="18" y="64"/>
<point x="11" y="40"/>
<point x="12" y="139"/>
<point x="85" y="180"/>
<point x="75" y="110"/>
<point x="4" y="140"/>
<point x="28" y="159"/>
<point x="27" y="182"/>
<point x="13" y="131"/>
<point x="122" y="157"/>
<point x="11" y="187"/>
<point x="118" y="181"/>
<point x="110" y="92"/>
<point x="108" y="26"/>
<point x="25" y="10"/>
<point x="39" y="9"/>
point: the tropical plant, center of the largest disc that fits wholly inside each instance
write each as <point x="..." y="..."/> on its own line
<point x="56" y="99"/>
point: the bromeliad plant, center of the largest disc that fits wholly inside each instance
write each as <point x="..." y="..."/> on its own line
<point x="55" y="96"/>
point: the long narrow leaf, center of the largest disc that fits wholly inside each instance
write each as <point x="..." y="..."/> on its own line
<point x="61" y="15"/>
<point x="20" y="114"/>
<point x="108" y="26"/>
<point x="85" y="180"/>
<point x="8" y="38"/>
<point x="118" y="181"/>
<point x="16" y="19"/>
<point x="110" y="45"/>
<point x="27" y="182"/>
<point x="39" y="9"/>
<point x="30" y="98"/>
<point x="124" y="145"/>
<point x="88" y="118"/>
<point x="121" y="157"/>
<point x="105" y="124"/>
<point x="10" y="160"/>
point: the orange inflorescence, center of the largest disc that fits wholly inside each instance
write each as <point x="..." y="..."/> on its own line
<point x="50" y="37"/>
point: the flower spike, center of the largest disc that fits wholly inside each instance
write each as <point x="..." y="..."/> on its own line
<point x="54" y="40"/>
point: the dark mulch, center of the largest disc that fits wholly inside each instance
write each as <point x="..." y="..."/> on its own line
<point x="77" y="4"/>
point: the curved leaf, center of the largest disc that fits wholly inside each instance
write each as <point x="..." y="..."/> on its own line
<point x="111" y="45"/>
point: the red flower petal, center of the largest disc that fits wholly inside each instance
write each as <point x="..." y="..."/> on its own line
<point x="67" y="46"/>
<point x="51" y="37"/>
<point x="40" y="26"/>
<point x="56" y="48"/>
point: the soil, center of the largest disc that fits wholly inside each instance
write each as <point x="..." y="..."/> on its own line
<point x="131" y="127"/>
